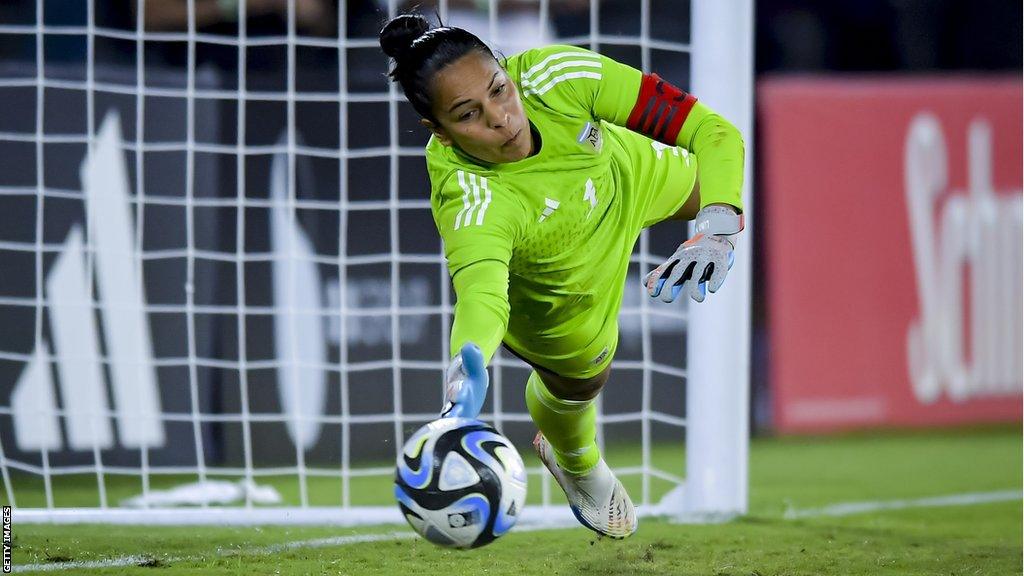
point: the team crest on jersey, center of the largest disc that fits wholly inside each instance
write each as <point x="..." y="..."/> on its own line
<point x="590" y="137"/>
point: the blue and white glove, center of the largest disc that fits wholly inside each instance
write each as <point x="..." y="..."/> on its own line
<point x="465" y="384"/>
<point x="700" y="264"/>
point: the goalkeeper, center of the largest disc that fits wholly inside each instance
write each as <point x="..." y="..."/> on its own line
<point x="544" y="168"/>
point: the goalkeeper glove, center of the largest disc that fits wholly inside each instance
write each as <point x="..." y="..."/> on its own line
<point x="466" y="384"/>
<point x="700" y="264"/>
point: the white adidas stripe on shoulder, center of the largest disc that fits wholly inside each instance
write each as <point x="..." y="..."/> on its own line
<point x="558" y="56"/>
<point x="465" y="216"/>
<point x="465" y="199"/>
<point x="570" y="64"/>
<point x="487" y="202"/>
<point x="562" y="78"/>
<point x="476" y="199"/>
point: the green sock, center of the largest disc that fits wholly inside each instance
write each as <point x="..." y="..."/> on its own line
<point x="569" y="425"/>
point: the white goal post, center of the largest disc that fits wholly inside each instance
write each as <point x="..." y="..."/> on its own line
<point x="227" y="302"/>
<point x="719" y="365"/>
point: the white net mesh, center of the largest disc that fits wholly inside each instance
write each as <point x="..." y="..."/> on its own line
<point x="219" y="264"/>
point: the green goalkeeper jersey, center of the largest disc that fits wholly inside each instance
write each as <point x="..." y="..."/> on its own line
<point x="538" y="248"/>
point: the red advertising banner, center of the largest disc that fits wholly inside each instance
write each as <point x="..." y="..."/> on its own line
<point x="893" y="250"/>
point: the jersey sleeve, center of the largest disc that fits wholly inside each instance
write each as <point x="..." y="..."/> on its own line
<point x="577" y="81"/>
<point x="481" y="307"/>
<point x="479" y="225"/>
<point x="720" y="147"/>
<point x="476" y="220"/>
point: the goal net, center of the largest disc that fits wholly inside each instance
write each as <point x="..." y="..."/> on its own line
<point x="223" y="294"/>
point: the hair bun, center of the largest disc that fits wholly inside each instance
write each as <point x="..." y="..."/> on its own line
<point x="399" y="34"/>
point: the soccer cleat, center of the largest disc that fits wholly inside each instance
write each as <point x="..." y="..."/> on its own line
<point x="597" y="498"/>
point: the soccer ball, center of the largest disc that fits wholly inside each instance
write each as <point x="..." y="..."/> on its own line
<point x="460" y="483"/>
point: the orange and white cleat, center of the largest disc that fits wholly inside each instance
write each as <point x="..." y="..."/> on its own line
<point x="597" y="498"/>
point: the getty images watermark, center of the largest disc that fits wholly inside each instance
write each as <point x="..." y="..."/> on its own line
<point x="7" y="539"/>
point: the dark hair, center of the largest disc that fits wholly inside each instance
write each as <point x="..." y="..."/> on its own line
<point x="420" y="52"/>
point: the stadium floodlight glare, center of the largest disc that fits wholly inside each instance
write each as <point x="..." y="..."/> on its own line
<point x="228" y="300"/>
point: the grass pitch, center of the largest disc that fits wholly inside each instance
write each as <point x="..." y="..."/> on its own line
<point x="789" y="478"/>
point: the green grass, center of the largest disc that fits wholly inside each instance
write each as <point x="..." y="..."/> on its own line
<point x="798" y="473"/>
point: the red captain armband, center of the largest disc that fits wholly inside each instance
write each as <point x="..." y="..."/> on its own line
<point x="660" y="110"/>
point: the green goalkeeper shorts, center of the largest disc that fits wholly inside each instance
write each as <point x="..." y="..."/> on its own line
<point x="654" y="180"/>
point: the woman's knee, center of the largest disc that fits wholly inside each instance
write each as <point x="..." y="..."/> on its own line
<point x="574" y="388"/>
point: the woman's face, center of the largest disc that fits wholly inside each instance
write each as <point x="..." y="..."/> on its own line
<point x="478" y="109"/>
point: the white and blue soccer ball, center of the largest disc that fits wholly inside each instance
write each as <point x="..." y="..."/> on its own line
<point x="460" y="483"/>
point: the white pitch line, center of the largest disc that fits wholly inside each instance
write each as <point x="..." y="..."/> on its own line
<point x="264" y="550"/>
<point x="57" y="566"/>
<point x="848" y="508"/>
<point x="553" y="523"/>
<point x="332" y="541"/>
